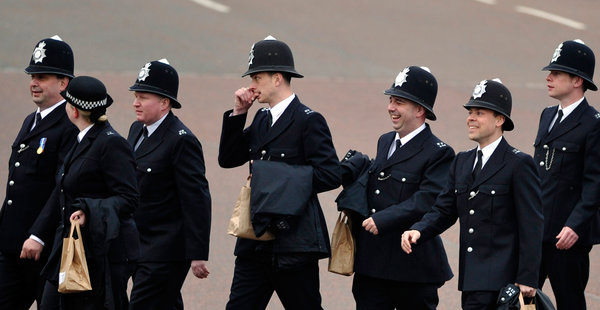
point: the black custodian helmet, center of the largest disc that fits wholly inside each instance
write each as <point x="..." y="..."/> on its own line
<point x="160" y="78"/>
<point x="416" y="84"/>
<point x="51" y="55"/>
<point x="271" y="55"/>
<point x="576" y="58"/>
<point x="493" y="95"/>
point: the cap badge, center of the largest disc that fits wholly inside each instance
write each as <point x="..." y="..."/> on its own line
<point x="479" y="89"/>
<point x="251" y="57"/>
<point x="144" y="72"/>
<point x="557" y="53"/>
<point x="39" y="53"/>
<point x="401" y="77"/>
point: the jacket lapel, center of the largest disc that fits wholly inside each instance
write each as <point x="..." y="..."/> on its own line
<point x="383" y="148"/>
<point x="408" y="150"/>
<point x="25" y="128"/>
<point x="46" y="122"/>
<point x="80" y="147"/>
<point x="569" y="122"/>
<point x="154" y="140"/>
<point x="282" y="123"/>
<point x="493" y="165"/>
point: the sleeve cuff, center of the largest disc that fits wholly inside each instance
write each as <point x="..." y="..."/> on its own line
<point x="38" y="240"/>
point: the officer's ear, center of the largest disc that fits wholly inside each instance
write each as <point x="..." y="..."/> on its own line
<point x="63" y="82"/>
<point x="577" y="81"/>
<point x="165" y="103"/>
<point x="500" y="119"/>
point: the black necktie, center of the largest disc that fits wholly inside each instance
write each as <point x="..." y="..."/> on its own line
<point x="398" y="145"/>
<point x="269" y="119"/>
<point x="143" y="137"/>
<point x="38" y="119"/>
<point x="478" y="164"/>
<point x="558" y="119"/>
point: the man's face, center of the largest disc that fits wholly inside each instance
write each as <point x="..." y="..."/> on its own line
<point x="149" y="107"/>
<point x="263" y="85"/>
<point x="483" y="126"/>
<point x="404" y="115"/>
<point x="560" y="84"/>
<point x="45" y="89"/>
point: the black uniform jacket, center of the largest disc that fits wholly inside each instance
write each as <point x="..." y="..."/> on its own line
<point x="568" y="162"/>
<point x="500" y="216"/>
<point x="400" y="191"/>
<point x="31" y="176"/>
<point x="100" y="167"/>
<point x="299" y="137"/>
<point x="174" y="216"/>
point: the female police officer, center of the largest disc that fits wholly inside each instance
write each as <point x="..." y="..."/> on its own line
<point x="97" y="187"/>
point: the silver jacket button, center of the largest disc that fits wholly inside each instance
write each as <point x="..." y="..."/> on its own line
<point x="17" y="164"/>
<point x="469" y="249"/>
<point x="471" y="230"/>
<point x="541" y="163"/>
<point x="471" y="211"/>
<point x="149" y="170"/>
<point x="472" y="194"/>
<point x="377" y="192"/>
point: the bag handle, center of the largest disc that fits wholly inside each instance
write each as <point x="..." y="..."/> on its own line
<point x="522" y="301"/>
<point x="75" y="226"/>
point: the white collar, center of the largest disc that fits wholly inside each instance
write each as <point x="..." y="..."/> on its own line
<point x="278" y="109"/>
<point x="411" y="135"/>
<point x="405" y="139"/>
<point x="50" y="109"/>
<point x="84" y="132"/>
<point x="488" y="151"/>
<point x="570" y="108"/>
<point x="152" y="127"/>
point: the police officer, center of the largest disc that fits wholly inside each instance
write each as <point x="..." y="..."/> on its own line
<point x="286" y="131"/>
<point x="567" y="156"/>
<point x="96" y="186"/>
<point x="494" y="191"/>
<point x="409" y="171"/>
<point x="38" y="150"/>
<point x="174" y="214"/>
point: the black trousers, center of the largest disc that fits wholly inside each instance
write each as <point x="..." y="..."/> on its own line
<point x="158" y="285"/>
<point x="379" y="294"/>
<point x="20" y="282"/>
<point x="568" y="271"/>
<point x="256" y="278"/>
<point x="479" y="300"/>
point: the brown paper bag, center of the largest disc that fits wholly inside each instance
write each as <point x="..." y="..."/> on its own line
<point x="73" y="276"/>
<point x="342" y="247"/>
<point x="530" y="306"/>
<point x="240" y="224"/>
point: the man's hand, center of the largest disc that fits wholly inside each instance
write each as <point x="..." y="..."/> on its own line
<point x="31" y="249"/>
<point x="199" y="269"/>
<point x="244" y="97"/>
<point x="409" y="237"/>
<point x="527" y="291"/>
<point x="369" y="225"/>
<point x="566" y="238"/>
<point x="79" y="216"/>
